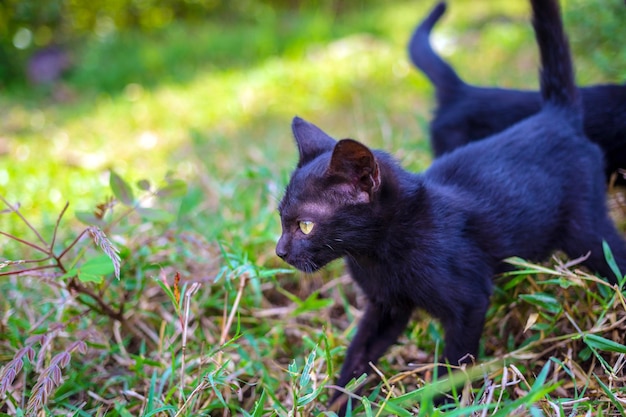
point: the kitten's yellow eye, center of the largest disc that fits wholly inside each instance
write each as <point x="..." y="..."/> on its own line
<point x="306" y="226"/>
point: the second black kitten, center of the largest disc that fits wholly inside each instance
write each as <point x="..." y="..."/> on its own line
<point x="466" y="113"/>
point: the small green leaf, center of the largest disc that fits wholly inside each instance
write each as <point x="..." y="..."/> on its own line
<point x="601" y="343"/>
<point x="610" y="259"/>
<point x="100" y="265"/>
<point x="70" y="274"/>
<point x="393" y="409"/>
<point x="543" y="301"/>
<point x="161" y="411"/>
<point x="305" y="377"/>
<point x="529" y="267"/>
<point x="542" y="326"/>
<point x="88" y="218"/>
<point x="155" y="215"/>
<point x="90" y="278"/>
<point x="174" y="188"/>
<point x="312" y="303"/>
<point x="122" y="411"/>
<point x="151" y="391"/>
<point x="610" y="394"/>
<point x="293" y="368"/>
<point x="585" y="353"/>
<point x="192" y="199"/>
<point x="121" y="189"/>
<point x="367" y="405"/>
<point x="258" y="406"/>
<point x="143" y="185"/>
<point x="541" y="378"/>
<point x="311" y="396"/>
<point x="168" y="291"/>
<point x="216" y="391"/>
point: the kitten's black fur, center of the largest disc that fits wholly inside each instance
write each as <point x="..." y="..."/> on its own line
<point x="434" y="241"/>
<point x="467" y="113"/>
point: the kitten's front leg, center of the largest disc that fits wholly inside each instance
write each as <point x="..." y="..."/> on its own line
<point x="379" y="328"/>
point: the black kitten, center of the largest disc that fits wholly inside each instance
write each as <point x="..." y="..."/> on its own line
<point x="467" y="113"/>
<point x="434" y="241"/>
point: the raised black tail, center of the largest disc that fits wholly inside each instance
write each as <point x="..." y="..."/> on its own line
<point x="558" y="86"/>
<point x="423" y="57"/>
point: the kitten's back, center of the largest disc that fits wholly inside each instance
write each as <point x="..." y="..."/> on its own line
<point x="528" y="168"/>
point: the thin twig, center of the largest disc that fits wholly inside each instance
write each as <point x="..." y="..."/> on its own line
<point x="23" y="271"/>
<point x="71" y="245"/>
<point x="56" y="226"/>
<point x="24" y="261"/>
<point x="229" y="321"/>
<point x="203" y="385"/>
<point x="233" y="311"/>
<point x="339" y="402"/>
<point x="192" y="290"/>
<point x="30" y="226"/>
<point x="25" y="242"/>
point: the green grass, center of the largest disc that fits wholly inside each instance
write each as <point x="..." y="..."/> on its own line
<point x="204" y="317"/>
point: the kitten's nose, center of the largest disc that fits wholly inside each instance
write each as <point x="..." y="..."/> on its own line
<point x="281" y="248"/>
<point x="281" y="253"/>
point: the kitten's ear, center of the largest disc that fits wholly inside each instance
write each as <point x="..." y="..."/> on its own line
<point x="311" y="140"/>
<point x="354" y="162"/>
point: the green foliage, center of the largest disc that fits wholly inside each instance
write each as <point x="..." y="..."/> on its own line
<point x="27" y="25"/>
<point x="92" y="270"/>
<point x="305" y="389"/>
<point x="601" y="343"/>
<point x="597" y="42"/>
<point x="81" y="270"/>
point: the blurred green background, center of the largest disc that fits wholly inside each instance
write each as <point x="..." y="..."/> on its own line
<point x="206" y="89"/>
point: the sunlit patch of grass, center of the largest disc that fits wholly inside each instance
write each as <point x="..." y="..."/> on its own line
<point x="189" y="127"/>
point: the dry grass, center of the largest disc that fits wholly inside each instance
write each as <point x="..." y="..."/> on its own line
<point x="212" y="333"/>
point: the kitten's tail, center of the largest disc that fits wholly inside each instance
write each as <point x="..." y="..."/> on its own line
<point x="442" y="75"/>
<point x="558" y="87"/>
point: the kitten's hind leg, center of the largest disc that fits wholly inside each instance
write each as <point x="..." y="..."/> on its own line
<point x="590" y="241"/>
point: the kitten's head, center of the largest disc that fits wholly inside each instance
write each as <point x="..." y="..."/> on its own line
<point x="328" y="199"/>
